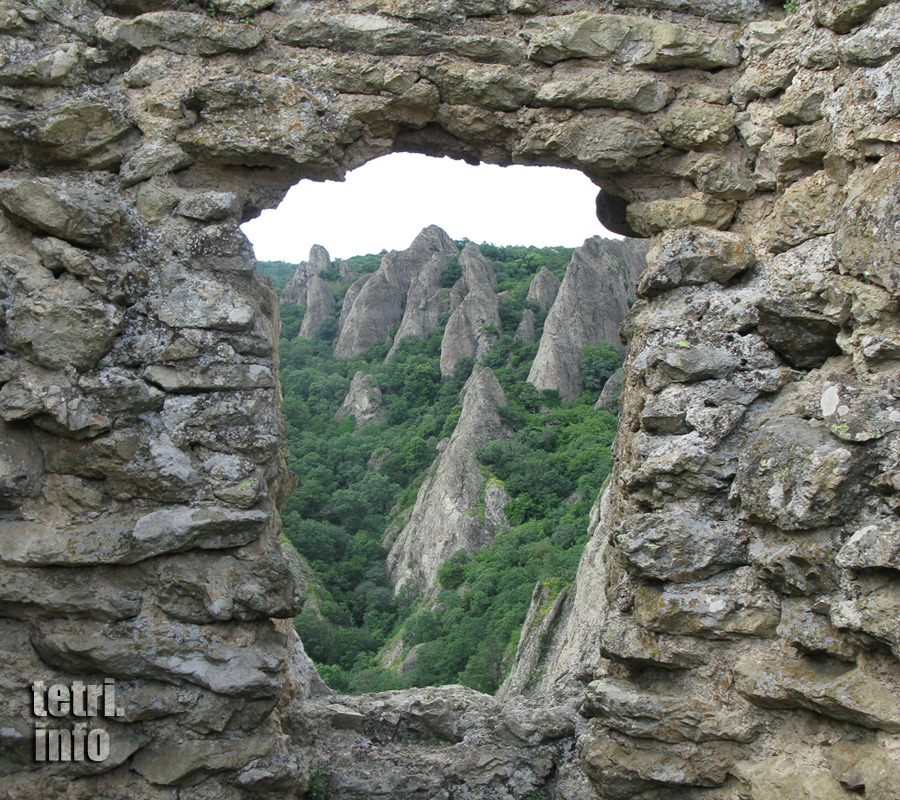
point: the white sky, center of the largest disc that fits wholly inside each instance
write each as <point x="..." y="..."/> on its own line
<point x="385" y="203"/>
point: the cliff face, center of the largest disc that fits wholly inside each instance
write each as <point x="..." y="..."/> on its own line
<point x="455" y="510"/>
<point x="295" y="290"/>
<point x="379" y="303"/>
<point x="588" y="308"/>
<point x="363" y="401"/>
<point x="544" y="288"/>
<point x="735" y="610"/>
<point x="320" y="306"/>
<point x="474" y="324"/>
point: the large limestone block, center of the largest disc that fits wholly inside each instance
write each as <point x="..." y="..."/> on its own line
<point x="78" y="214"/>
<point x="240" y="662"/>
<point x="639" y="712"/>
<point x="792" y="312"/>
<point x="156" y="157"/>
<point x="98" y="593"/>
<point x="875" y="614"/>
<point x="868" y="232"/>
<point x="797" y="565"/>
<point x="203" y="301"/>
<point x="875" y="43"/>
<point x="639" y="41"/>
<point x="724" y="10"/>
<point x="870" y="766"/>
<point x="782" y="776"/>
<point x="169" y="765"/>
<point x="722" y="607"/>
<point x="813" y="633"/>
<point x="490" y="86"/>
<point x="811" y="207"/>
<point x="126" y="539"/>
<point x="592" y="88"/>
<point x="856" y="414"/>
<point x="843" y="15"/>
<point x="797" y="476"/>
<point x="180" y="32"/>
<point x="78" y="133"/>
<point x="697" y="126"/>
<point x="210" y="587"/>
<point x="875" y="546"/>
<point x="359" y="33"/>
<point x="719" y="176"/>
<point x="677" y="547"/>
<point x="804" y="100"/>
<point x="597" y="142"/>
<point x="21" y="465"/>
<point x="625" y="641"/>
<point x="212" y="378"/>
<point x="694" y="256"/>
<point x="64" y="325"/>
<point x="653" y="216"/>
<point x="833" y="689"/>
<point x="626" y="767"/>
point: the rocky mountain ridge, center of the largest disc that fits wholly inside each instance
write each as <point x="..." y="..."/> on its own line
<point x="586" y="308"/>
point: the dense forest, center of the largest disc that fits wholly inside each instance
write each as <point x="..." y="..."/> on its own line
<point x="354" y="486"/>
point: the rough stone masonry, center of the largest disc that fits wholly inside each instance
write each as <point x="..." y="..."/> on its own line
<point x="733" y="630"/>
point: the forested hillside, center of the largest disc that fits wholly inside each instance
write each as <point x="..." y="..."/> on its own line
<point x="356" y="487"/>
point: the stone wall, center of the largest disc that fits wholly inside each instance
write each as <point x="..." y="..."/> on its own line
<point x="736" y="607"/>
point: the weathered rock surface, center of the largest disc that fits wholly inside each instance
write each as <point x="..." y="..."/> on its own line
<point x="426" y="302"/>
<point x="379" y="303"/>
<point x="295" y="289"/>
<point x="525" y="329"/>
<point x="590" y="305"/>
<point x="455" y="509"/>
<point x="320" y="305"/>
<point x="474" y="325"/>
<point x="363" y="401"/>
<point x="544" y="288"/>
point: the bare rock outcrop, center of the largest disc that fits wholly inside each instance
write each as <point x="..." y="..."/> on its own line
<point x="320" y="305"/>
<point x="455" y="509"/>
<point x="363" y="400"/>
<point x="379" y="304"/>
<point x="295" y="290"/>
<point x="474" y="325"/>
<point x="426" y="302"/>
<point x="589" y="308"/>
<point x="346" y="271"/>
<point x="420" y="741"/>
<point x="544" y="288"/>
<point x="525" y="329"/>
